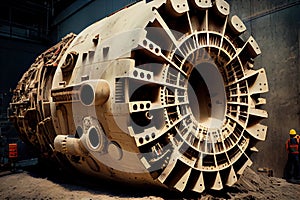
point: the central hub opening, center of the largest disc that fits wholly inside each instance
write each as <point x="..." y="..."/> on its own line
<point x="206" y="94"/>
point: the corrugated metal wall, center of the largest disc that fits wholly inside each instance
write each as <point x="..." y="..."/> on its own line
<point x="276" y="27"/>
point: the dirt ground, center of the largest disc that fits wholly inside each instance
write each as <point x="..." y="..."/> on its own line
<point x="39" y="184"/>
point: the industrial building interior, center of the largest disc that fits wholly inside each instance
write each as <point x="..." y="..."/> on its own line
<point x="29" y="27"/>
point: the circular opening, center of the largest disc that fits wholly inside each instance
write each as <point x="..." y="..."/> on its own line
<point x="151" y="46"/>
<point x="148" y="105"/>
<point x="115" y="150"/>
<point x="94" y="137"/>
<point x="141" y="140"/>
<point x="153" y="135"/>
<point x="148" y="76"/>
<point x="135" y="73"/>
<point x="147" y="138"/>
<point x="87" y="95"/>
<point x="206" y="94"/>
<point x="141" y="106"/>
<point x="142" y="75"/>
<point x="135" y="107"/>
<point x="145" y="42"/>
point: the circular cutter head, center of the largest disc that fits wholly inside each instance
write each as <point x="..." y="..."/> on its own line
<point x="163" y="91"/>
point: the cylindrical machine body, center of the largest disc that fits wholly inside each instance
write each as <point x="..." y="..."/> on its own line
<point x="163" y="92"/>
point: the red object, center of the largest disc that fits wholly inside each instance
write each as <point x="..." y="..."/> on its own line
<point x="13" y="150"/>
<point x="292" y="146"/>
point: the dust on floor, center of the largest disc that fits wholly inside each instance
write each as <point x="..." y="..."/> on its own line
<point x="33" y="184"/>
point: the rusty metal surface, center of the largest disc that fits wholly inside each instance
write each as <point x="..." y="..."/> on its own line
<point x="162" y="92"/>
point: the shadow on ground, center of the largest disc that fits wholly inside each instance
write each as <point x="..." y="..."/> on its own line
<point x="75" y="181"/>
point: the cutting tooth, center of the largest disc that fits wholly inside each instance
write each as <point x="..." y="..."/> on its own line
<point x="232" y="178"/>
<point x="199" y="186"/>
<point x="218" y="182"/>
<point x="181" y="184"/>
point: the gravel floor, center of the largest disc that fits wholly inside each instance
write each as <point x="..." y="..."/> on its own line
<point x="36" y="183"/>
